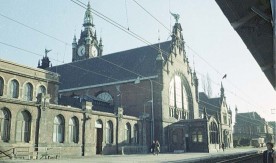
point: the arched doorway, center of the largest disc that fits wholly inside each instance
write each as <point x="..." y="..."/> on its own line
<point x="178" y="140"/>
<point x="226" y="139"/>
<point x="99" y="136"/>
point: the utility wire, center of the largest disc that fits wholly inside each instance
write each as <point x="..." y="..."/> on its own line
<point x="49" y="36"/>
<point x="188" y="46"/>
<point x="74" y="66"/>
<point x="45" y="34"/>
<point x="140" y="87"/>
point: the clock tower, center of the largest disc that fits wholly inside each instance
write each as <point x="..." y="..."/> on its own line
<point x="88" y="45"/>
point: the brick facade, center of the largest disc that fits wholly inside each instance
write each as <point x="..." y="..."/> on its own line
<point x="41" y="113"/>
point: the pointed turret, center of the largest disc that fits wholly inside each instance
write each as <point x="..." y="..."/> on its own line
<point x="95" y="35"/>
<point x="74" y="43"/>
<point x="218" y="117"/>
<point x="221" y="91"/>
<point x="101" y="47"/>
<point x="159" y="55"/>
<point x="74" y="48"/>
<point x="205" y="113"/>
<point x="159" y="63"/>
<point x="195" y="79"/>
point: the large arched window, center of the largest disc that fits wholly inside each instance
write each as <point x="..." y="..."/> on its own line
<point x="58" y="133"/>
<point x="1" y="86"/>
<point x="14" y="89"/>
<point x="5" y="120"/>
<point x="213" y="133"/>
<point x="136" y="134"/>
<point x="28" y="92"/>
<point x="127" y="133"/>
<point x="178" y="99"/>
<point x="73" y="130"/>
<point x="23" y="126"/>
<point x="109" y="132"/>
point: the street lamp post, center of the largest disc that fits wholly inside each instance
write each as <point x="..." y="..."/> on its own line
<point x="152" y="111"/>
<point x="137" y="81"/>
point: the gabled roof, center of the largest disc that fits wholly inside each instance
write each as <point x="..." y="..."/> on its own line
<point x="216" y="101"/>
<point x="211" y="104"/>
<point x="120" y="66"/>
<point x="249" y="116"/>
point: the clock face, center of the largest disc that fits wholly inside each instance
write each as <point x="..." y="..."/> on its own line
<point x="94" y="51"/>
<point x="81" y="50"/>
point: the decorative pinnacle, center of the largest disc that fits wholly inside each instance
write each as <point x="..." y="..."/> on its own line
<point x="74" y="39"/>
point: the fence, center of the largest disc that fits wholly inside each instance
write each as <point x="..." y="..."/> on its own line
<point x="30" y="153"/>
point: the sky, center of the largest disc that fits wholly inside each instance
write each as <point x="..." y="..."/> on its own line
<point x="212" y="46"/>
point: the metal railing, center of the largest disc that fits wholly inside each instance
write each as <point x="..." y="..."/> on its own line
<point x="6" y="153"/>
<point x="31" y="152"/>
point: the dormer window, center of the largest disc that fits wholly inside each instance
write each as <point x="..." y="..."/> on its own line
<point x="106" y="97"/>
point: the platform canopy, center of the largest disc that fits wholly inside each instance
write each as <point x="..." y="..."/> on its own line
<point x="254" y="21"/>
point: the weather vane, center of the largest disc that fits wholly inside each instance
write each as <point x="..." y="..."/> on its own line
<point x="176" y="16"/>
<point x="47" y="51"/>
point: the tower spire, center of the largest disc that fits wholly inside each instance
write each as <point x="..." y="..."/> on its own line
<point x="88" y="18"/>
<point x="87" y="46"/>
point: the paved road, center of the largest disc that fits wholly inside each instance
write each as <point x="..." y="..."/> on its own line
<point x="141" y="158"/>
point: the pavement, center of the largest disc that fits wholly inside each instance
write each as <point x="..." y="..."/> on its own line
<point x="141" y="158"/>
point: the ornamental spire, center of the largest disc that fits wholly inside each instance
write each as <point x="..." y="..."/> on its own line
<point x="88" y="19"/>
<point x="221" y="90"/>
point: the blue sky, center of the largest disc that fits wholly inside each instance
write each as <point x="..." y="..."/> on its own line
<point x="206" y="31"/>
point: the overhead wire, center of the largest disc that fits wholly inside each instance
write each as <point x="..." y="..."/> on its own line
<point x="42" y="55"/>
<point x="43" y="33"/>
<point x="103" y="75"/>
<point x="126" y="14"/>
<point x="190" y="48"/>
<point x="90" y="71"/>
